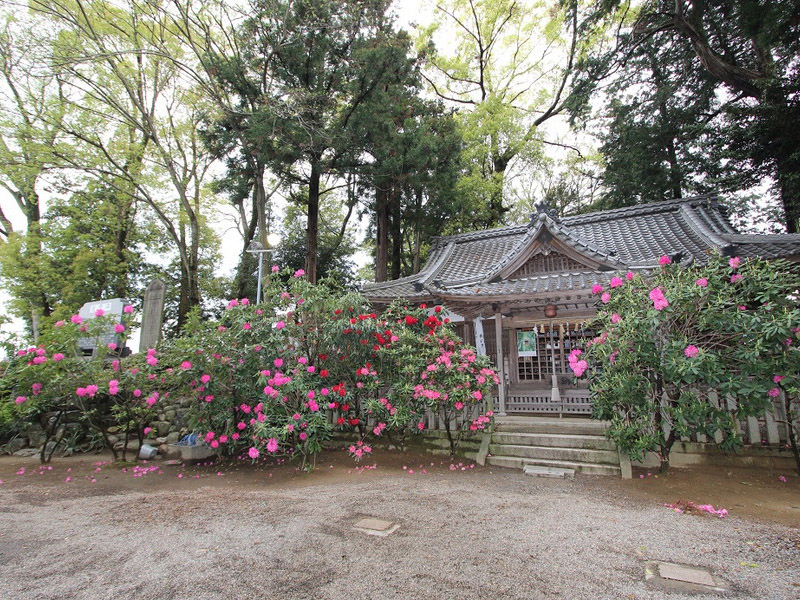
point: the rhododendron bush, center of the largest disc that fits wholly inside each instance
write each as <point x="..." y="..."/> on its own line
<point x="53" y="385"/>
<point x="674" y="345"/>
<point x="278" y="378"/>
<point x="283" y="376"/>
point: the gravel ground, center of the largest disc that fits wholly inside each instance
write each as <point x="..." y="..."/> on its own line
<point x="478" y="533"/>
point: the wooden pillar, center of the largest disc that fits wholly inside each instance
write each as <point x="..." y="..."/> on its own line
<point x="501" y="390"/>
<point x="555" y="393"/>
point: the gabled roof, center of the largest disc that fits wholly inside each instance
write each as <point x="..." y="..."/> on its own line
<point x="488" y="264"/>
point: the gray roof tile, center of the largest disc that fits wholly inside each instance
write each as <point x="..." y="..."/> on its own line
<point x="632" y="237"/>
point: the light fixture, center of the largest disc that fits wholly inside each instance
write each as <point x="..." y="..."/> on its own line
<point x="256" y="247"/>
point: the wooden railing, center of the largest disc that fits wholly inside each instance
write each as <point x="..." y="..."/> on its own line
<point x="771" y="429"/>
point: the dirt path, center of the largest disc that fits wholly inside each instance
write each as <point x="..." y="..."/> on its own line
<point x="252" y="531"/>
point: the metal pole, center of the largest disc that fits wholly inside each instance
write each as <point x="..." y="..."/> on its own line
<point x="258" y="289"/>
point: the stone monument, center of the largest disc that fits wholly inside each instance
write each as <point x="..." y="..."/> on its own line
<point x="152" y="314"/>
<point x="110" y="308"/>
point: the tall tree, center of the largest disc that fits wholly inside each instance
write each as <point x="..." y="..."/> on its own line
<point x="32" y="108"/>
<point x="510" y="67"/>
<point x="324" y="59"/>
<point x="660" y="133"/>
<point x="750" y="49"/>
<point x="128" y="87"/>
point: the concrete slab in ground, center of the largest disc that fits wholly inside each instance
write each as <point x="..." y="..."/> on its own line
<point x="539" y="471"/>
<point x="684" y="579"/>
<point x="373" y="526"/>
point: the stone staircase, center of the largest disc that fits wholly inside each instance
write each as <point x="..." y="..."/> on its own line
<point x="569" y="443"/>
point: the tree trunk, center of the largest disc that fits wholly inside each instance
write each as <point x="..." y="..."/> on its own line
<point x="243" y="279"/>
<point x="382" y="224"/>
<point x="790" y="428"/>
<point x="312" y="231"/>
<point x="397" y="233"/>
<point x="787" y="162"/>
<point x="417" y="232"/>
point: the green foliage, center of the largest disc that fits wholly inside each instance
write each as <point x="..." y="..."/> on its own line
<point x="706" y="95"/>
<point x="674" y="346"/>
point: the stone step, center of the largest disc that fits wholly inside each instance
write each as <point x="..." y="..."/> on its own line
<point x="551" y="472"/>
<point x="606" y="457"/>
<point x="558" y="440"/>
<point x="550" y="425"/>
<point x="513" y="462"/>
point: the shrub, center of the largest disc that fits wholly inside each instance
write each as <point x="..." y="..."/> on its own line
<point x="669" y="340"/>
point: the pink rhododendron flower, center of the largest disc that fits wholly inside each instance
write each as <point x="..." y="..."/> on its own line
<point x="152" y="361"/>
<point x="137" y="393"/>
<point x="233" y="303"/>
<point x="302" y="360"/>
<point x="597" y="288"/>
<point x="616" y="282"/>
<point x="253" y="453"/>
<point x="186" y="365"/>
<point x="280" y="325"/>
<point x="147" y="430"/>
<point x="76" y="319"/>
<point x="734" y="262"/>
<point x="59" y="324"/>
<point x="244" y="301"/>
<point x="702" y="282"/>
<point x="38" y="360"/>
<point x="205" y="378"/>
<point x="774" y="392"/>
<point x="272" y="445"/>
<point x="112" y="346"/>
<point x="303" y="436"/>
<point x="36" y="388"/>
<point x="296" y="416"/>
<point x="247" y="326"/>
<point x="20" y="399"/>
<point x="736" y="277"/>
<point x="127" y="309"/>
<point x="119" y="328"/>
<point x="664" y="260"/>
<point x="99" y="312"/>
<point x="691" y="351"/>
<point x="659" y="300"/>
<point x="299" y="273"/>
<point x="477" y="395"/>
<point x="579" y="367"/>
<point x="275" y="268"/>
<point x="629" y="275"/>
<point x="778" y="378"/>
<point x="615" y="318"/>
<point x="605" y="298"/>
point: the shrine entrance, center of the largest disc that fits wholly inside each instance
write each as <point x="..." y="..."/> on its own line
<point x="540" y="380"/>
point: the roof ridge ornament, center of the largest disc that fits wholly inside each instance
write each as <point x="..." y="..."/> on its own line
<point x="543" y="209"/>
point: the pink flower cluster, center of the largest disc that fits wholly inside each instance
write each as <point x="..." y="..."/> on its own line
<point x="481" y="422"/>
<point x="659" y="300"/>
<point x="577" y="365"/>
<point x="359" y="450"/>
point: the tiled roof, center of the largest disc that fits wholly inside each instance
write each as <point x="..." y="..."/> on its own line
<point x="477" y="264"/>
<point x="540" y="284"/>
